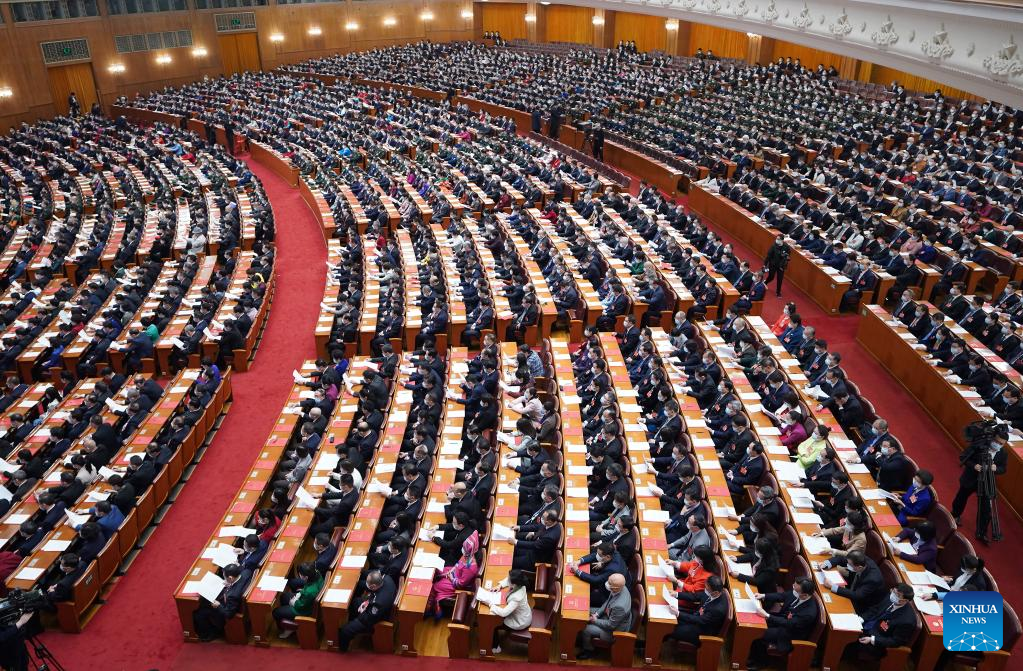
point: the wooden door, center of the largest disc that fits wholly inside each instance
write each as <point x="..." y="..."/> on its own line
<point x="76" y="77"/>
<point x="239" y="53"/>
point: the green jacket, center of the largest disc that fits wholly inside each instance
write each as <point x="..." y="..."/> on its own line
<point x="307" y="597"/>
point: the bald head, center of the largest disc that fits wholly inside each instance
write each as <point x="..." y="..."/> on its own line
<point x="616" y="583"/>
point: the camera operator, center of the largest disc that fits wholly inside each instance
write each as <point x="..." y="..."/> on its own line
<point x="13" y="653"/>
<point x="982" y="461"/>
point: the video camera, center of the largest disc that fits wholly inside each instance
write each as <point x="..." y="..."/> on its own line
<point x="19" y="602"/>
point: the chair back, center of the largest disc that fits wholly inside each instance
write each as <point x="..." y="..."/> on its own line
<point x="938" y="515"/>
<point x="1011" y="631"/>
<point x="950" y="556"/>
<point x="875" y="546"/>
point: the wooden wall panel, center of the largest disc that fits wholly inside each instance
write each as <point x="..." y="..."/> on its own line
<point x="74" y="78"/>
<point x="647" y="31"/>
<point x="565" y="23"/>
<point x="21" y="65"/>
<point x="879" y="74"/>
<point x="808" y="56"/>
<point x="507" y="18"/>
<point x="723" y="42"/>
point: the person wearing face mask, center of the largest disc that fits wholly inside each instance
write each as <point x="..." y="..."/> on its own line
<point x="864" y="584"/>
<point x="971" y="577"/>
<point x="603" y="562"/>
<point x="615" y="614"/>
<point x="958" y="360"/>
<point x="210" y="618"/>
<point x="790" y="616"/>
<point x="368" y="607"/>
<point x="764" y="563"/>
<point x="748" y="471"/>
<point x="766" y="503"/>
<point x="849" y="537"/>
<point x="535" y="544"/>
<point x="682" y="550"/>
<point x="793" y="432"/>
<point x="1011" y="408"/>
<point x="300" y="602"/>
<point x="892" y="627"/>
<point x="783" y="320"/>
<point x="923" y="543"/>
<point x="833" y="509"/>
<point x="776" y="261"/>
<point x="915" y="501"/>
<point x="708" y="619"/>
<point x="808" y="451"/>
<point x="890" y="467"/>
<point x="982" y="453"/>
<point x="694" y="574"/>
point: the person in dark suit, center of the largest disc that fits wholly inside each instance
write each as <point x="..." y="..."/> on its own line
<point x="832" y="510"/>
<point x="865" y="585"/>
<point x="893" y="627"/>
<point x="603" y="563"/>
<point x="972" y="462"/>
<point x="793" y="621"/>
<point x="61" y="586"/>
<point x="707" y="620"/>
<point x="210" y="618"/>
<point x="537" y="546"/>
<point x="369" y="608"/>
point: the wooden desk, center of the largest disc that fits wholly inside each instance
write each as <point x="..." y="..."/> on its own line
<point x="952" y="405"/>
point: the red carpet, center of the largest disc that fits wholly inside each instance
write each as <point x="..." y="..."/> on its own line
<point x="138" y="626"/>
<point x="924" y="440"/>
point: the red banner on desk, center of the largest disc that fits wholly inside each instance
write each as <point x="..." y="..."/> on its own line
<point x="573" y="431"/>
<point x="418" y="587"/>
<point x="255" y="485"/>
<point x="750" y="618"/>
<point x="503" y="559"/>
<point x="368" y="512"/>
<point x="886" y="520"/>
<point x="576" y="542"/>
<point x="285" y="555"/>
<point x="575" y="603"/>
<point x="265" y="463"/>
<point x="654" y="544"/>
<point x="263" y="596"/>
<point x="717" y="490"/>
<point x="243" y="507"/>
<point x="360" y="535"/>
<point x="295" y="531"/>
<point x="506" y="511"/>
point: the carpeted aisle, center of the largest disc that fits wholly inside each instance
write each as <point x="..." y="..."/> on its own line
<point x="924" y="440"/>
<point x="138" y="626"/>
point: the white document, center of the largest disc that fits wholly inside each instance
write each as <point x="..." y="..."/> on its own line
<point x="846" y="621"/>
<point x="655" y="516"/>
<point x="660" y="612"/>
<point x="501" y="532"/>
<point x="421" y="573"/>
<point x="486" y="596"/>
<point x="929" y="607"/>
<point x="273" y="583"/>
<point x="807" y="518"/>
<point x="74" y="519"/>
<point x="235" y="532"/>
<point x="222" y="555"/>
<point x="210" y="586"/>
<point x="29" y="573"/>
<point x="669" y="596"/>
<point x="577" y="516"/>
<point x="353" y="561"/>
<point x="421" y="558"/>
<point x="56" y="546"/>
<point x="337" y="595"/>
<point x="815" y="544"/>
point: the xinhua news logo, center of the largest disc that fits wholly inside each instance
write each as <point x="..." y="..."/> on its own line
<point x="972" y="621"/>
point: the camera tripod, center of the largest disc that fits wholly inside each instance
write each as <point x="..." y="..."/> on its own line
<point x="987" y="496"/>
<point x="39" y="655"/>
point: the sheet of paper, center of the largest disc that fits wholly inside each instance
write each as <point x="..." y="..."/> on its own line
<point x="56" y="546"/>
<point x="337" y="595"/>
<point x="210" y="586"/>
<point x="29" y="573"/>
<point x="353" y="561"/>
<point x="273" y="583"/>
<point x="660" y="612"/>
<point x="846" y="621"/>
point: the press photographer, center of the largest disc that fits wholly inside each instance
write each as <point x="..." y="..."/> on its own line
<point x="982" y="461"/>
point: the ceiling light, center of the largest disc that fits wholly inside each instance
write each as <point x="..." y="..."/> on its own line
<point x="671" y="24"/>
<point x="530" y="18"/>
<point x="116" y="68"/>
<point x="466" y="13"/>
<point x="426" y="16"/>
<point x="598" y="20"/>
<point x="315" y="31"/>
<point x="390" y="21"/>
<point x="199" y="52"/>
<point x="163" y="59"/>
<point x="277" y="37"/>
<point x="351" y="25"/>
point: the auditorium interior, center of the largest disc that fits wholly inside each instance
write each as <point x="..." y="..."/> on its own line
<point x="681" y="334"/>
